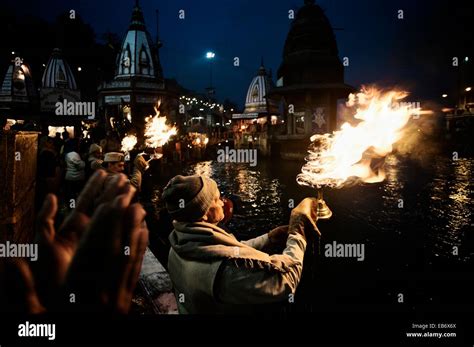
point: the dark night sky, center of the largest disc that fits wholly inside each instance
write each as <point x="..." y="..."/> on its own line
<point x="381" y="48"/>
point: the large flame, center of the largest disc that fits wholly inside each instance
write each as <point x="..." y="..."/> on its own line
<point x="157" y="132"/>
<point x="128" y="143"/>
<point x="348" y="154"/>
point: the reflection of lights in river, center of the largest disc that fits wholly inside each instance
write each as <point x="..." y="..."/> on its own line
<point x="249" y="185"/>
<point x="457" y="207"/>
<point x="451" y="202"/>
<point x="203" y="168"/>
<point x="392" y="185"/>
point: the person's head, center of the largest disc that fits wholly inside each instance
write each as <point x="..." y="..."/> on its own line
<point x="114" y="162"/>
<point x="193" y="198"/>
<point x="49" y="144"/>
<point x="58" y="135"/>
<point x="95" y="150"/>
<point x="65" y="135"/>
<point x="72" y="145"/>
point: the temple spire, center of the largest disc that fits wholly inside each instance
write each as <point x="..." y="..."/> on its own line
<point x="261" y="70"/>
<point x="137" y="22"/>
<point x="138" y="55"/>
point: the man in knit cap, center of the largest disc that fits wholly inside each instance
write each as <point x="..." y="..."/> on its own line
<point x="212" y="272"/>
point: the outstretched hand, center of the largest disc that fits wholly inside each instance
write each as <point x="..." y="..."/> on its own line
<point x="105" y="269"/>
<point x="58" y="248"/>
<point x="304" y="216"/>
<point x="18" y="294"/>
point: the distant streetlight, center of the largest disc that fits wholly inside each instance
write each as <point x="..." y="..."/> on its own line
<point x="13" y="52"/>
<point x="467" y="89"/>
<point x="444" y="95"/>
<point x="79" y="69"/>
<point x="210" y="55"/>
<point x="466" y="59"/>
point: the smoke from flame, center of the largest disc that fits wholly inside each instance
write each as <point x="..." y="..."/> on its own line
<point x="350" y="154"/>
<point x="157" y="132"/>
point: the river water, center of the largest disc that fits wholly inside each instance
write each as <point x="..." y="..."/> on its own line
<point x="416" y="227"/>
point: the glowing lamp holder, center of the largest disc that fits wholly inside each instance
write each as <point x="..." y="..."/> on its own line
<point x="324" y="212"/>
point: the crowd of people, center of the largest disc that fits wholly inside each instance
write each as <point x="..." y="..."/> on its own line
<point x="65" y="164"/>
<point x="91" y="260"/>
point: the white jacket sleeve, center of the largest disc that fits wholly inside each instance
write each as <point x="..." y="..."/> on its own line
<point x="240" y="285"/>
<point x="258" y="242"/>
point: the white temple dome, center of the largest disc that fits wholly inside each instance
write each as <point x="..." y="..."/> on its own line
<point x="58" y="74"/>
<point x="258" y="89"/>
<point x="136" y="56"/>
<point x="18" y="82"/>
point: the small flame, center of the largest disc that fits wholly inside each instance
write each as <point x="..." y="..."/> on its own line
<point x="198" y="139"/>
<point x="157" y="132"/>
<point x="349" y="153"/>
<point x="128" y="143"/>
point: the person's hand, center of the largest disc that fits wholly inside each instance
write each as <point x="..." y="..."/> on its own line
<point x="304" y="216"/>
<point x="279" y="235"/>
<point x="105" y="269"/>
<point x="140" y="163"/>
<point x="228" y="210"/>
<point x="18" y="293"/>
<point x="57" y="248"/>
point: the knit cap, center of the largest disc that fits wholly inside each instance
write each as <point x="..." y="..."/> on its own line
<point x="188" y="198"/>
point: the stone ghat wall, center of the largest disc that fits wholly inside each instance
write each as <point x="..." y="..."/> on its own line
<point x="157" y="287"/>
<point x="18" y="160"/>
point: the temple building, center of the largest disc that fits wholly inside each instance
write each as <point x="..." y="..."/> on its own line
<point x="138" y="83"/>
<point x="21" y="101"/>
<point x="18" y="95"/>
<point x="251" y="126"/>
<point x="310" y="82"/>
<point x="58" y="83"/>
